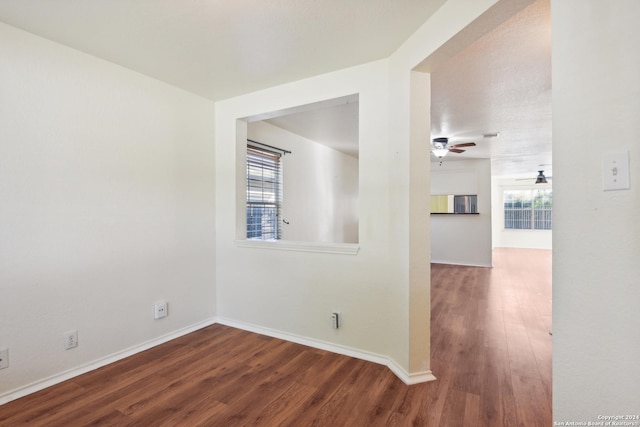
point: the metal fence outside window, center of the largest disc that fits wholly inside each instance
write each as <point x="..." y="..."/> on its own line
<point x="528" y="209"/>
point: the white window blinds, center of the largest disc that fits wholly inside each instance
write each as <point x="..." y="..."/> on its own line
<point x="264" y="194"/>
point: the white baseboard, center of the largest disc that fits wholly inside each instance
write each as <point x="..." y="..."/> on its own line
<point x="403" y="375"/>
<point x="83" y="369"/>
<point x="447" y="262"/>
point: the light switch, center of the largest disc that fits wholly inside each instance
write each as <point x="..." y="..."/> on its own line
<point x="615" y="171"/>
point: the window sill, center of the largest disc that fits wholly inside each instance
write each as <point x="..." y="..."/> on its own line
<point x="286" y="245"/>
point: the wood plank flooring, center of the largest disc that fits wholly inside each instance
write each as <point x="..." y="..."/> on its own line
<point x="491" y="352"/>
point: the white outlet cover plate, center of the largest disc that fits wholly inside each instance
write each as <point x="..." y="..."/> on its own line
<point x="70" y="340"/>
<point x="615" y="171"/>
<point x="160" y="310"/>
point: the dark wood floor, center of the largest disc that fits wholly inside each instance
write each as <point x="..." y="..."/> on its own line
<point x="491" y="352"/>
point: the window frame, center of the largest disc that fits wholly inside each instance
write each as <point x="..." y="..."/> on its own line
<point x="544" y="209"/>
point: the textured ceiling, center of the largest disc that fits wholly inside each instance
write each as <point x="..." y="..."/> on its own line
<point x="500" y="83"/>
<point x="223" y="48"/>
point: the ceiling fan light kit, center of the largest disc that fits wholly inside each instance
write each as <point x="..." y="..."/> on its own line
<point x="541" y="179"/>
<point x="440" y="152"/>
<point x="440" y="147"/>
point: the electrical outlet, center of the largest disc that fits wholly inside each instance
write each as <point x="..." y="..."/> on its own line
<point x="70" y="339"/>
<point x="160" y="310"/>
<point x="4" y="358"/>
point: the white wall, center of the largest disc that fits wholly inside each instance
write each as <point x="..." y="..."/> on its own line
<point x="462" y="239"/>
<point x="106" y="189"/>
<point x="320" y="186"/>
<point x="295" y="292"/>
<point x="502" y="238"/>
<point x="383" y="291"/>
<point x="596" y="249"/>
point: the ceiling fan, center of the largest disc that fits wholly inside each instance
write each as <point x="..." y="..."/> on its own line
<point x="440" y="147"/>
<point x="540" y="179"/>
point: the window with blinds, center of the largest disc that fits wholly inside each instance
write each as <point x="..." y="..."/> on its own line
<point x="528" y="209"/>
<point x="264" y="194"/>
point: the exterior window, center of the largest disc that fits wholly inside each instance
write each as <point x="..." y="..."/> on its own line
<point x="528" y="209"/>
<point x="264" y="194"/>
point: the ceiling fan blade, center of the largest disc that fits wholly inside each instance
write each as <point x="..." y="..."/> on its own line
<point x="549" y="178"/>
<point x="464" y="144"/>
<point x="456" y="150"/>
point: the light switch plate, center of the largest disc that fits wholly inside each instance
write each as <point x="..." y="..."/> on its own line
<point x="615" y="171"/>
